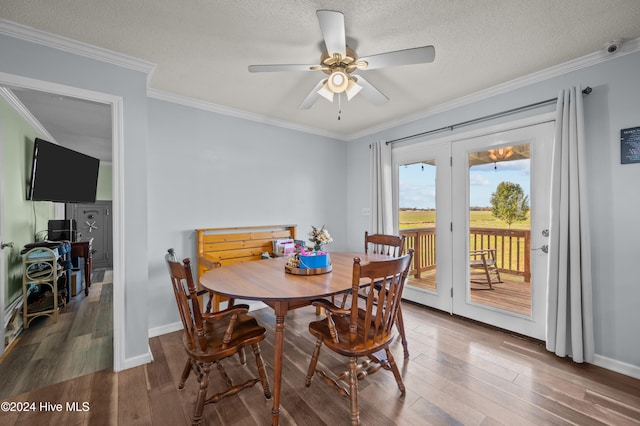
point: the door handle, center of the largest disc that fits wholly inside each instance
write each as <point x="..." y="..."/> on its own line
<point x="544" y="248"/>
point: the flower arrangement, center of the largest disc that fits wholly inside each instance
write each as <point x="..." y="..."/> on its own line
<point x="319" y="237"/>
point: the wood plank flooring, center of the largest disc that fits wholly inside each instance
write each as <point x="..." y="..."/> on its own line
<point x="513" y="294"/>
<point x="80" y="342"/>
<point x="459" y="373"/>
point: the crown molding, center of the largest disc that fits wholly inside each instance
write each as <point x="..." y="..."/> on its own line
<point x="69" y="45"/>
<point x="237" y="113"/>
<point x="33" y="35"/>
<point x="14" y="102"/>
<point x="589" y="60"/>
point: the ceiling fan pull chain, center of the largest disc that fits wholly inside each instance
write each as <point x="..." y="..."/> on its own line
<point x="339" y="105"/>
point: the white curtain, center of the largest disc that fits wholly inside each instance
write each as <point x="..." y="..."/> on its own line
<point x="569" y="297"/>
<point x="381" y="192"/>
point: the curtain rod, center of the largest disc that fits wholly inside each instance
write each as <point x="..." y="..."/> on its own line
<point x="485" y="118"/>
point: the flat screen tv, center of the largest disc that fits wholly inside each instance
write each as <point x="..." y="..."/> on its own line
<point x="62" y="175"/>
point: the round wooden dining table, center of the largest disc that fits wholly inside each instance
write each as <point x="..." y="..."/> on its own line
<point x="267" y="281"/>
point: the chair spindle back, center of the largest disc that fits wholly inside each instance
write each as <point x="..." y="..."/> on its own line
<point x="382" y="301"/>
<point x="187" y="300"/>
<point x="390" y="245"/>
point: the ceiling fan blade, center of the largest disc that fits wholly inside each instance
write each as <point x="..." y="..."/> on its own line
<point x="369" y="92"/>
<point x="332" y="27"/>
<point x="283" y="67"/>
<point x="312" y="97"/>
<point x="416" y="55"/>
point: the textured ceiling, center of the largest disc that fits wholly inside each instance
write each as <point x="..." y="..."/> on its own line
<point x="202" y="48"/>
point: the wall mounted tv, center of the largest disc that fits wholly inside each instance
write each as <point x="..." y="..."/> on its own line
<point x="62" y="175"/>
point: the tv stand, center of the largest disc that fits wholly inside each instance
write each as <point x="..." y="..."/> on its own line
<point x="83" y="249"/>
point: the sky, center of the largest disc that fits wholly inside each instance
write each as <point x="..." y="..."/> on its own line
<point x="417" y="186"/>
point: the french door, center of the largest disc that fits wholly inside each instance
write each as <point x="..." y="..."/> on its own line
<point x="422" y="177"/>
<point x="479" y="254"/>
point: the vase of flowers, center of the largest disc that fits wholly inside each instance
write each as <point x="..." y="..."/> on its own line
<point x="319" y="237"/>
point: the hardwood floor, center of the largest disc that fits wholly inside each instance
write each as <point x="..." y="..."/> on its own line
<point x="459" y="373"/>
<point x="80" y="342"/>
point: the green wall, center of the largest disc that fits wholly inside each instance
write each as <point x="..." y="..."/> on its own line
<point x="103" y="192"/>
<point x="21" y="219"/>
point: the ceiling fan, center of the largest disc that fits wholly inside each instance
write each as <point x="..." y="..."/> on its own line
<point x="341" y="63"/>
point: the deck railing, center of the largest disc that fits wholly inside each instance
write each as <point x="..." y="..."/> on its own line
<point x="513" y="248"/>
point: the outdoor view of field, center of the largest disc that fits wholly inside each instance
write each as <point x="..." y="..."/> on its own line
<point x="410" y="218"/>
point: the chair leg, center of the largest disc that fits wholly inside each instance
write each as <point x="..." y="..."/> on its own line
<point x="353" y="391"/>
<point x="202" y="394"/>
<point x="263" y="374"/>
<point x="185" y="373"/>
<point x="400" y="326"/>
<point x="486" y="271"/>
<point x="394" y="370"/>
<point x="313" y="363"/>
<point x="242" y="356"/>
<point x="211" y="296"/>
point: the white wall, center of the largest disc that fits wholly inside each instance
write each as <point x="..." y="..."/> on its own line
<point x="207" y="170"/>
<point x="615" y="196"/>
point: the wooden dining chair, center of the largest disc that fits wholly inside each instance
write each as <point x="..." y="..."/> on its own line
<point x="210" y="337"/>
<point x="362" y="331"/>
<point x="391" y="245"/>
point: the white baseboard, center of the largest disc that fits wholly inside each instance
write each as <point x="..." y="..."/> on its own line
<point x="137" y="360"/>
<point x="9" y="310"/>
<point x="165" y="329"/>
<point x="617" y="366"/>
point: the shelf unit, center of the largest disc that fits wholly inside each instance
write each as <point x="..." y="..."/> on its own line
<point x="41" y="268"/>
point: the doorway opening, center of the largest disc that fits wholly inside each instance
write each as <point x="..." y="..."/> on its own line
<point x="115" y="310"/>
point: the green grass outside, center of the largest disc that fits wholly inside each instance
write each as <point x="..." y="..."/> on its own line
<point x="477" y="219"/>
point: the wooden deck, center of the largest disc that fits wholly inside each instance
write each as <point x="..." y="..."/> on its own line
<point x="514" y="294"/>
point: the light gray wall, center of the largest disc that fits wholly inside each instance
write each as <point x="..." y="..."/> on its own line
<point x="614" y="195"/>
<point x="207" y="170"/>
<point x="43" y="63"/>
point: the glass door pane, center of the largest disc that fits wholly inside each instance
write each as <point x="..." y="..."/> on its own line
<point x="417" y="220"/>
<point x="499" y="228"/>
<point x="422" y="199"/>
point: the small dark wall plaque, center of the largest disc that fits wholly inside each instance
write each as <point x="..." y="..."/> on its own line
<point x="630" y="145"/>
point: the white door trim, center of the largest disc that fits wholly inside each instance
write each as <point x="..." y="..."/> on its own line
<point x="117" y="120"/>
<point x="2" y="266"/>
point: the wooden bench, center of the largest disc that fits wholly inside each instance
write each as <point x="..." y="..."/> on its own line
<point x="225" y="246"/>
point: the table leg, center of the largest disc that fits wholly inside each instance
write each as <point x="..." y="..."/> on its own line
<point x="280" y="309"/>
<point x="87" y="275"/>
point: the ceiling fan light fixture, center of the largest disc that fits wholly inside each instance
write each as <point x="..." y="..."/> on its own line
<point x="353" y="89"/>
<point x="326" y="92"/>
<point x="338" y="81"/>
<point x="500" y="153"/>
